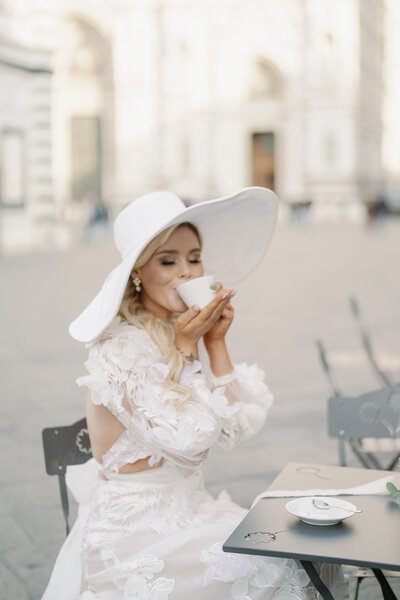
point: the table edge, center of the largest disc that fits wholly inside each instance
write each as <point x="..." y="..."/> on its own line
<point x="311" y="558"/>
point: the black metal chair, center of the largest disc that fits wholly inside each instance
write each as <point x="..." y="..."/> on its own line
<point x="65" y="446"/>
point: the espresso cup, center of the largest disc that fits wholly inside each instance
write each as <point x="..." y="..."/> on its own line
<point x="198" y="291"/>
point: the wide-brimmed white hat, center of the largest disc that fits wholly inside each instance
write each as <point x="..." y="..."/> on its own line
<point x="236" y="231"/>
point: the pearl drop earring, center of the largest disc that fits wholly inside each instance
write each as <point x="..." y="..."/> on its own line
<point x="137" y="283"/>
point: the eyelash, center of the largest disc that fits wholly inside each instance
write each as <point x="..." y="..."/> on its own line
<point x="169" y="263"/>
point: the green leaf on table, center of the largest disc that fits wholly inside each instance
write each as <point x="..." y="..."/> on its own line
<point x="392" y="489"/>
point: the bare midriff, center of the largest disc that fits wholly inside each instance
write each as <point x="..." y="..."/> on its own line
<point x="104" y="430"/>
<point x="136" y="467"/>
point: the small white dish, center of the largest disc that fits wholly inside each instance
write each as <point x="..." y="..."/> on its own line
<point x="304" y="509"/>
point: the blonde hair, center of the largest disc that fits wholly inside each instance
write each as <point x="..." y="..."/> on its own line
<point x="161" y="332"/>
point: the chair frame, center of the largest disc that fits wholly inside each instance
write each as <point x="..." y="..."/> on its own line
<point x="375" y="414"/>
<point x="382" y="376"/>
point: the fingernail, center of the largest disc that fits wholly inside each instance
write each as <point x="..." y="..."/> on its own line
<point x="233" y="293"/>
<point x="196" y="308"/>
<point x="224" y="296"/>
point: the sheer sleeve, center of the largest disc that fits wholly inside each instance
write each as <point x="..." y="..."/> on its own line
<point x="242" y="401"/>
<point x="127" y="375"/>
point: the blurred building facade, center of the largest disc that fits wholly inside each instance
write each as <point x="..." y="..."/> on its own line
<point x="104" y="100"/>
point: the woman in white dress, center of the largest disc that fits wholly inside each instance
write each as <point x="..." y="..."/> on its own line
<point x="147" y="528"/>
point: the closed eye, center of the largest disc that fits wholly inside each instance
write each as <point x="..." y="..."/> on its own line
<point x="193" y="261"/>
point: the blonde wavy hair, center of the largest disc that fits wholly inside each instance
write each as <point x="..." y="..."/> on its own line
<point x="160" y="331"/>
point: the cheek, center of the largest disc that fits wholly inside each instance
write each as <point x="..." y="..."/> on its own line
<point x="154" y="280"/>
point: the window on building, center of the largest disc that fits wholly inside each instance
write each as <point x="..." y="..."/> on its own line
<point x="12" y="168"/>
<point x="86" y="159"/>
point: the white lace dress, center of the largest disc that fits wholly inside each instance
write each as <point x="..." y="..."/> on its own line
<point x="158" y="534"/>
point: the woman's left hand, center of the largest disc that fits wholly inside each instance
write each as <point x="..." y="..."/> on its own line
<point x="221" y="326"/>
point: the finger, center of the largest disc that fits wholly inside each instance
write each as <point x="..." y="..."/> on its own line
<point x="186" y="317"/>
<point x="228" y="310"/>
<point x="216" y="306"/>
<point x="225" y="298"/>
<point x="208" y="310"/>
<point x="218" y="286"/>
<point x="219" y="309"/>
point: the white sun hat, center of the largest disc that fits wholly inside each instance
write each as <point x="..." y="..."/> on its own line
<point x="236" y="232"/>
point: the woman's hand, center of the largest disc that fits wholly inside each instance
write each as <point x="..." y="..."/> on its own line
<point x="218" y="330"/>
<point x="193" y="324"/>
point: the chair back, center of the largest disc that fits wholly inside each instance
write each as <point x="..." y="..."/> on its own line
<point x="375" y="414"/>
<point x="363" y="419"/>
<point x="63" y="446"/>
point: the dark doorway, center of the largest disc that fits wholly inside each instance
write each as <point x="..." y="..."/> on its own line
<point x="263" y="159"/>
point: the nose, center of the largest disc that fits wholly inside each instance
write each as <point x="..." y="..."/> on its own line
<point x="185" y="270"/>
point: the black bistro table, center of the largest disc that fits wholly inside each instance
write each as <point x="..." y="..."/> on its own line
<point x="370" y="539"/>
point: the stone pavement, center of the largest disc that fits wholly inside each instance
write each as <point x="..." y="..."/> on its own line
<point x="299" y="292"/>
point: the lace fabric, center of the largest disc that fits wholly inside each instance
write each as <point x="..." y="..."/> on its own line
<point x="127" y="375"/>
<point x="153" y="535"/>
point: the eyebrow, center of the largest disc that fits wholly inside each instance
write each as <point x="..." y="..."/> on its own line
<point x="176" y="251"/>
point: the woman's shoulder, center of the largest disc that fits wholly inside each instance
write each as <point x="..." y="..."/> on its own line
<point x="123" y="340"/>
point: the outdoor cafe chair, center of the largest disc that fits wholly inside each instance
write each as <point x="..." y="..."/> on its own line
<point x="65" y="446"/>
<point x="369" y="423"/>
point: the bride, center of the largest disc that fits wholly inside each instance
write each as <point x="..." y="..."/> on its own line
<point x="147" y="528"/>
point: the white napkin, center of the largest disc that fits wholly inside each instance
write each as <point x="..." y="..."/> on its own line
<point x="367" y="489"/>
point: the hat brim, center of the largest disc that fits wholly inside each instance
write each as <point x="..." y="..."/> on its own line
<point x="236" y="230"/>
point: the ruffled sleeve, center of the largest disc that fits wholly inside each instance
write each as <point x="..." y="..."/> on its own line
<point x="127" y="375"/>
<point x="241" y="400"/>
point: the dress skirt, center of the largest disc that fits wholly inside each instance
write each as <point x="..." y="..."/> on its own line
<point x="158" y="535"/>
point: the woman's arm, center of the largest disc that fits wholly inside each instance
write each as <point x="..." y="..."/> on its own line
<point x="220" y="361"/>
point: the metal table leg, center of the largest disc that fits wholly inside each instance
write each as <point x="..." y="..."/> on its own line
<point x="316" y="580"/>
<point x="387" y="591"/>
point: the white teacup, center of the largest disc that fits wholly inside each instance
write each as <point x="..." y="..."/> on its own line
<point x="198" y="291"/>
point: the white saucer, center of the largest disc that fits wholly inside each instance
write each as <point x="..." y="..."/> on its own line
<point x="304" y="509"/>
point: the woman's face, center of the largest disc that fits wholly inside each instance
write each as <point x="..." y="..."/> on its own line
<point x="173" y="263"/>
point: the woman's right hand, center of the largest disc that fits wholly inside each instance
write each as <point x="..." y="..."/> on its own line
<point x="191" y="325"/>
